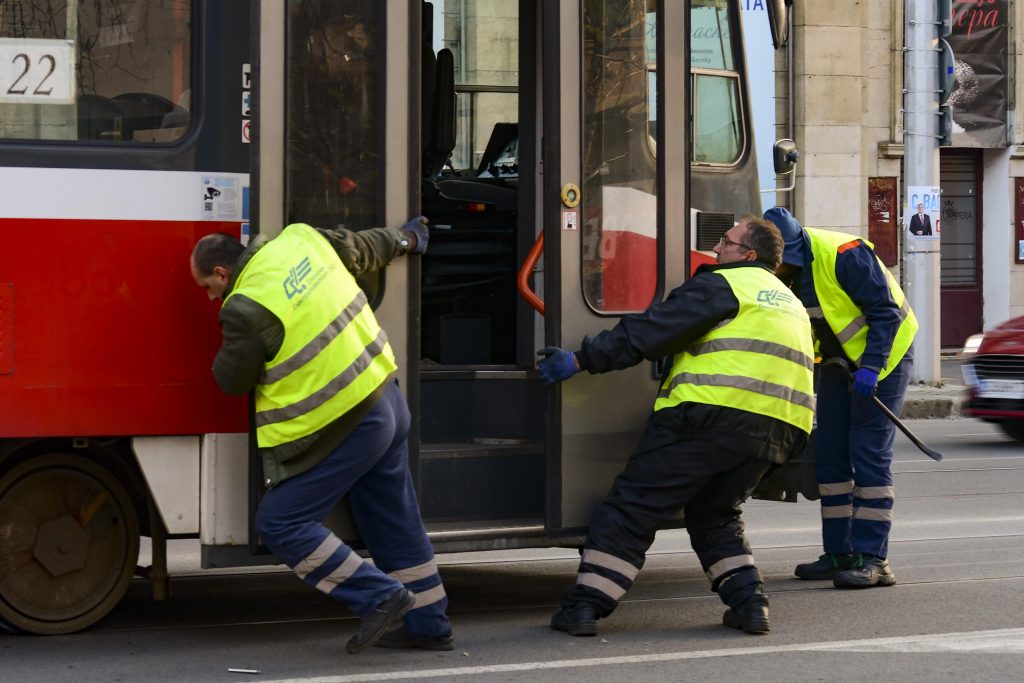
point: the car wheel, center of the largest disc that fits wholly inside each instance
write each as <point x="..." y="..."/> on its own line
<point x="1014" y="428"/>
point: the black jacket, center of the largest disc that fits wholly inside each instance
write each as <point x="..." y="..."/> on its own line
<point x="688" y="313"/>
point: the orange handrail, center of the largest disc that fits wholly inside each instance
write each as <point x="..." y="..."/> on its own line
<point x="523" y="279"/>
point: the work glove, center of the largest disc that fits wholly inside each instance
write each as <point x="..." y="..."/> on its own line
<point x="417" y="228"/>
<point x="557" y="365"/>
<point x="864" y="382"/>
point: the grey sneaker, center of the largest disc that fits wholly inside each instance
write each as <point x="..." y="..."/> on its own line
<point x="867" y="571"/>
<point x="387" y="616"/>
<point x="825" y="567"/>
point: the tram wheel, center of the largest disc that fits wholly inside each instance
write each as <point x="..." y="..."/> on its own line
<point x="69" y="541"/>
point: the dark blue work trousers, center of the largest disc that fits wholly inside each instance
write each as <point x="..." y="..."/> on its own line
<point x="670" y="471"/>
<point x="853" y="456"/>
<point x="372" y="467"/>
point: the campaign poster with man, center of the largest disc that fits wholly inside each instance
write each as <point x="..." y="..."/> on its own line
<point x="923" y="217"/>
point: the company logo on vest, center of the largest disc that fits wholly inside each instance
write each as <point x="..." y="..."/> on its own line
<point x="773" y="297"/>
<point x="293" y="284"/>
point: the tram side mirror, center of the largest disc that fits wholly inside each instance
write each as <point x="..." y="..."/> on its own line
<point x="784" y="156"/>
<point x="778" y="17"/>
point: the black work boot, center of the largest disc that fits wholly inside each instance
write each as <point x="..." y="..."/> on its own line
<point x="751" y="616"/>
<point x="578" y="620"/>
<point x="400" y="639"/>
<point x="825" y="567"/>
<point x="385" y="617"/>
<point x="867" y="571"/>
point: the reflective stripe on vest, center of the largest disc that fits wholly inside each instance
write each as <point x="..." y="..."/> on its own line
<point x="843" y="316"/>
<point x="761" y="361"/>
<point x="334" y="353"/>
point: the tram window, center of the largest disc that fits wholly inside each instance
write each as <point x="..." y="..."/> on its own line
<point x="620" y="239"/>
<point x="717" y="126"/>
<point x="484" y="40"/>
<point x="334" y="117"/>
<point x="124" y="76"/>
<point x="717" y="112"/>
<point x="477" y="114"/>
<point x="710" y="36"/>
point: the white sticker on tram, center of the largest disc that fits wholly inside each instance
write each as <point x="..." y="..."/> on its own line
<point x="1004" y="641"/>
<point x="109" y="194"/>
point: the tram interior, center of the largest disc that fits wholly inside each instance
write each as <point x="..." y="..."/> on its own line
<point x="469" y="298"/>
<point x="482" y="414"/>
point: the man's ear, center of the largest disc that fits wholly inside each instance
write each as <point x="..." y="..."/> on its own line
<point x="222" y="272"/>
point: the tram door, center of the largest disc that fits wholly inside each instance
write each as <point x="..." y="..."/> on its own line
<point x="331" y="141"/>
<point x="473" y="113"/>
<point x="516" y="147"/>
<point x="614" y="202"/>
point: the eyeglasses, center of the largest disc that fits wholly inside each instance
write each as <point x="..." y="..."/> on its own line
<point x="725" y="241"/>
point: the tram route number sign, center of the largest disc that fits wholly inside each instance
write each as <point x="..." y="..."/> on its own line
<point x="37" y="71"/>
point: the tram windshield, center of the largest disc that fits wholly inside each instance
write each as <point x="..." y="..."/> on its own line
<point x="110" y="71"/>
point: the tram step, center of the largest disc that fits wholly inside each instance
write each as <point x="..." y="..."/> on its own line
<point x="466" y="404"/>
<point x="484" y="480"/>
<point x="479" y="448"/>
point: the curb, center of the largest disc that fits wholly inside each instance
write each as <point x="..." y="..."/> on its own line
<point x="925" y="408"/>
<point x="933" y="402"/>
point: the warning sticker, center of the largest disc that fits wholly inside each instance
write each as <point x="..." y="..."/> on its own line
<point x="568" y="220"/>
<point x="221" y="199"/>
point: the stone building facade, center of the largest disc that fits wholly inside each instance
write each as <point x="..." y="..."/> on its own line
<point x="839" y="89"/>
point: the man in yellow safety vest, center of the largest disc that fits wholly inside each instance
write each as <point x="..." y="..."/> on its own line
<point x="738" y="397"/>
<point x="330" y="419"/>
<point x="861" y="316"/>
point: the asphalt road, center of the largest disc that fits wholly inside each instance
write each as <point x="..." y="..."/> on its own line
<point x="957" y="549"/>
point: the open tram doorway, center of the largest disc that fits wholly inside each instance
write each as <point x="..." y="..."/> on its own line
<point x="471" y="181"/>
<point x="481" y="457"/>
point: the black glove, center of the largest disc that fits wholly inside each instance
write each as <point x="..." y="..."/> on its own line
<point x="420" y="236"/>
<point x="557" y="365"/>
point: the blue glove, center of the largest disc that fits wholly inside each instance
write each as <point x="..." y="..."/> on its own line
<point x="557" y="365"/>
<point x="417" y="227"/>
<point x="864" y="382"/>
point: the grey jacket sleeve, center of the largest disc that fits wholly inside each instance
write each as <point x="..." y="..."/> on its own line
<point x="364" y="251"/>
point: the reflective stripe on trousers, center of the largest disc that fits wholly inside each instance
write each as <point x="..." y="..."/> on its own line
<point x="668" y="471"/>
<point x="424" y="581"/>
<point x="853" y="461"/>
<point x="371" y="465"/>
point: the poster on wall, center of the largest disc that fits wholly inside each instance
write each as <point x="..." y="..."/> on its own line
<point x="923" y="216"/>
<point x="979" y="98"/>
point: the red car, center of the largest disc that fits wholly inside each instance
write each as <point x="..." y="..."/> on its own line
<point x="993" y="369"/>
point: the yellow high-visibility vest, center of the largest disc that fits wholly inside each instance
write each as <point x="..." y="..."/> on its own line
<point x="761" y="361"/>
<point x="843" y="316"/>
<point x="334" y="353"/>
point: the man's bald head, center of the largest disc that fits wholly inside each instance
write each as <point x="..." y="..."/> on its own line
<point x="213" y="260"/>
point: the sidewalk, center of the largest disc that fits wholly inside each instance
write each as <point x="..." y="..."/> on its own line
<point x="925" y="401"/>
